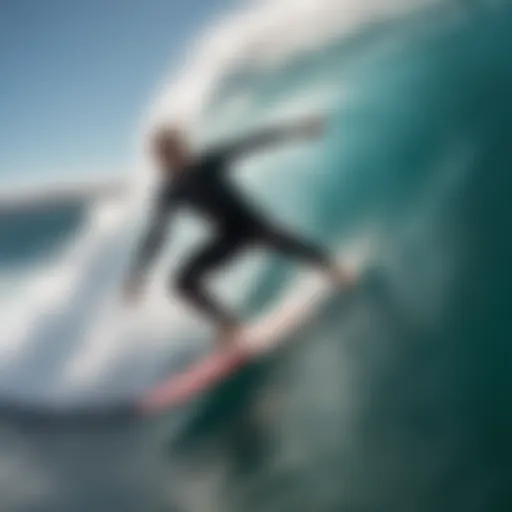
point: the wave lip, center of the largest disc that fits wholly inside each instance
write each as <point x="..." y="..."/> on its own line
<point x="265" y="34"/>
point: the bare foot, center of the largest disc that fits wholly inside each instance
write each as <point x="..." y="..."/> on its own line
<point x="343" y="277"/>
<point x="227" y="336"/>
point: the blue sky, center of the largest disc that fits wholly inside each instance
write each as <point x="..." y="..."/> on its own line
<point x="76" y="75"/>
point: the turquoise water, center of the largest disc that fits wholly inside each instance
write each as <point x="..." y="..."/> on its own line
<point x="397" y="397"/>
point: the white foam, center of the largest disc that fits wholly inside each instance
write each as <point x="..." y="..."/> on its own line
<point x="261" y="35"/>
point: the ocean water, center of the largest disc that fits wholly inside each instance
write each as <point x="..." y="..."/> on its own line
<point x="397" y="397"/>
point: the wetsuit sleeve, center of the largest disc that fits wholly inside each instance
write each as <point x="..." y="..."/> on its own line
<point x="154" y="236"/>
<point x="268" y="138"/>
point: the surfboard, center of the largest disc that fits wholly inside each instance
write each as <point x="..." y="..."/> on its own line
<point x="267" y="332"/>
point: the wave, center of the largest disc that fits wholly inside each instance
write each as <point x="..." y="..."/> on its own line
<point x="264" y="35"/>
<point x="66" y="340"/>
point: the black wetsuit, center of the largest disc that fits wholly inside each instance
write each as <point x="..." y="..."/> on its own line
<point x="205" y="187"/>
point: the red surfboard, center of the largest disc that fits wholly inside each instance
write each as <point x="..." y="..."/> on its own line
<point x="271" y="330"/>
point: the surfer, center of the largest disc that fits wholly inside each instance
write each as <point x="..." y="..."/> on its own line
<point x="199" y="181"/>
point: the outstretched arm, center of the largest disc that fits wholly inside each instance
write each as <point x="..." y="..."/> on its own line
<point x="308" y="127"/>
<point x="149" y="248"/>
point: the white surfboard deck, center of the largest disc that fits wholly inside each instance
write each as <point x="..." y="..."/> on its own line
<point x="278" y="323"/>
<point x="268" y="331"/>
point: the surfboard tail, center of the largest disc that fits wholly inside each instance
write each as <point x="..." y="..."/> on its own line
<point x="180" y="388"/>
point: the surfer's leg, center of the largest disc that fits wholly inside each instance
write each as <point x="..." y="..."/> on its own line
<point x="189" y="281"/>
<point x="297" y="247"/>
<point x="309" y="252"/>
